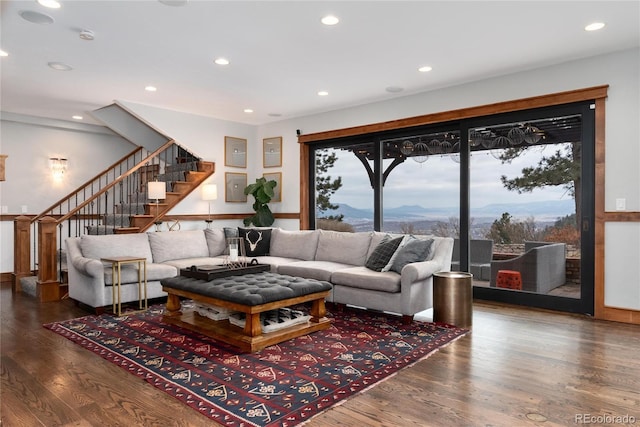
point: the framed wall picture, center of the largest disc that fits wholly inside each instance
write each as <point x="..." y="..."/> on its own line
<point x="235" y="183"/>
<point x="272" y="152"/>
<point x="277" y="191"/>
<point x="235" y="152"/>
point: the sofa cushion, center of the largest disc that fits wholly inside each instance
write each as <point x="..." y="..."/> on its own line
<point x="294" y="244"/>
<point x="383" y="253"/>
<point x="320" y="270"/>
<point x="116" y="245"/>
<point x="216" y="241"/>
<point x="341" y="247"/>
<point x="178" y="245"/>
<point x="129" y="273"/>
<point x="363" y="278"/>
<point x="415" y="250"/>
<point x="257" y="241"/>
<point x="275" y="261"/>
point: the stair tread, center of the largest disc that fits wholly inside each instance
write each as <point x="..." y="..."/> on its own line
<point x="128" y="229"/>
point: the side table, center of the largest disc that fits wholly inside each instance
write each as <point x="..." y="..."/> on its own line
<point x="453" y="298"/>
<point x="116" y="274"/>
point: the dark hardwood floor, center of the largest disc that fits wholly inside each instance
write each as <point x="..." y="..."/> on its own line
<point x="519" y="367"/>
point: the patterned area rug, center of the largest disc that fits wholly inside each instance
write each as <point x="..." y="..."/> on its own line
<point x="281" y="385"/>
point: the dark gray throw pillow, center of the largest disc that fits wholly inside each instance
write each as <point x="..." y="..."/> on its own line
<point x="381" y="255"/>
<point x="415" y="250"/>
<point x="229" y="232"/>
<point x="257" y="241"/>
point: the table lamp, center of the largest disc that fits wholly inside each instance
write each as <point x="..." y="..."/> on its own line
<point x="157" y="190"/>
<point x="209" y="192"/>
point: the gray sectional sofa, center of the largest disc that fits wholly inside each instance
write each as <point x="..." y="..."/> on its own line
<point x="338" y="257"/>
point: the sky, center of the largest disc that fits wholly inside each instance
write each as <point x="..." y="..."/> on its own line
<point x="435" y="183"/>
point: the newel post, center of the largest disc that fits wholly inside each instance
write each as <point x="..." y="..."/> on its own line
<point x="21" y="251"/>
<point x="47" y="284"/>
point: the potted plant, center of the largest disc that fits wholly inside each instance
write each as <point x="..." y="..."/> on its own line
<point x="262" y="192"/>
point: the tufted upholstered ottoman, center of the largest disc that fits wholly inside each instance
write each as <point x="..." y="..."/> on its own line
<point x="251" y="294"/>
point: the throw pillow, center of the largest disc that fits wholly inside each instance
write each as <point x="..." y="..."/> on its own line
<point x="256" y="241"/>
<point x="228" y="233"/>
<point x="415" y="250"/>
<point x="405" y="240"/>
<point x="381" y="255"/>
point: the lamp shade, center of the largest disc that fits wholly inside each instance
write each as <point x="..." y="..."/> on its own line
<point x="210" y="192"/>
<point x="157" y="190"/>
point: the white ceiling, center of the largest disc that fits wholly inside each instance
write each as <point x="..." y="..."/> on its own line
<point x="280" y="53"/>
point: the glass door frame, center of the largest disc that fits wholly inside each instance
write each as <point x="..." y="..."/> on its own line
<point x="584" y="304"/>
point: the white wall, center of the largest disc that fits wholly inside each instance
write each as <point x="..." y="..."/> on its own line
<point x="30" y="142"/>
<point x="204" y="136"/>
<point x="621" y="71"/>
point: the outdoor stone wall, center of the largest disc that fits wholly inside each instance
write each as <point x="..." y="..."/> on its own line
<point x="573" y="270"/>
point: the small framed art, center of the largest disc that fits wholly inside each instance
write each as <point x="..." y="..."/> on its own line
<point x="235" y="152"/>
<point x="272" y="152"/>
<point x="235" y="183"/>
<point x="277" y="191"/>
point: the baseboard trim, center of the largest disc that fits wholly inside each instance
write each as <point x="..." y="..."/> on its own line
<point x="621" y="315"/>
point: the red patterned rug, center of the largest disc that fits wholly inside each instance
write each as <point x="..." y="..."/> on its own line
<point x="282" y="385"/>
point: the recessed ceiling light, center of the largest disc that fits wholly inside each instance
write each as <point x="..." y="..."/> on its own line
<point x="3" y="53"/>
<point x="248" y="110"/>
<point x="330" y="20"/>
<point x="173" y="2"/>
<point x="425" y="69"/>
<point x="87" y="35"/>
<point x="60" y="66"/>
<point x="595" y="26"/>
<point x="35" y="17"/>
<point x="77" y="117"/>
<point x="51" y="4"/>
<point x="323" y="93"/>
<point x="394" y="89"/>
<point x="221" y="61"/>
<point x="151" y="88"/>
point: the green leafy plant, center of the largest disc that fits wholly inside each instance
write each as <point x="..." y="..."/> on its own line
<point x="262" y="192"/>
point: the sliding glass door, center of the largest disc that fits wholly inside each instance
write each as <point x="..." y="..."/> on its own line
<point x="516" y="194"/>
<point x="531" y="207"/>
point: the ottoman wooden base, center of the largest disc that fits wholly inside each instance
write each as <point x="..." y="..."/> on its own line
<point x="250" y="338"/>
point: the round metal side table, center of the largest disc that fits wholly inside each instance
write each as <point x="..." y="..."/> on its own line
<point x="453" y="298"/>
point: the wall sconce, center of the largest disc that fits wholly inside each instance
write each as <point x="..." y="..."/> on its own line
<point x="209" y="192"/>
<point x="157" y="190"/>
<point x="58" y="166"/>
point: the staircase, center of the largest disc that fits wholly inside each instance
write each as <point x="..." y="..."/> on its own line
<point x="138" y="212"/>
<point x="115" y="201"/>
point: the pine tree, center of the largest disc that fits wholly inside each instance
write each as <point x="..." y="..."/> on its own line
<point x="326" y="186"/>
<point x="561" y="168"/>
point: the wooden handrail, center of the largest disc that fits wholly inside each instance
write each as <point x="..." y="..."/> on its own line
<point x="115" y="181"/>
<point x="90" y="181"/>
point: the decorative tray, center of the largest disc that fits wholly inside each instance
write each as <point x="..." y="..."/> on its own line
<point x="210" y="272"/>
